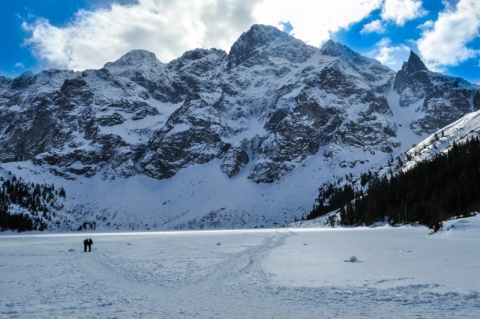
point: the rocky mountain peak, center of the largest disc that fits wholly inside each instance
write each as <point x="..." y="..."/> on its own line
<point x="24" y="80"/>
<point x="195" y="56"/>
<point x="258" y="39"/>
<point x="260" y="35"/>
<point x="331" y="48"/>
<point x="412" y="73"/>
<point x="135" y="59"/>
<point x="414" y="64"/>
<point x="136" y="55"/>
<point x="198" y="54"/>
<point x="26" y="75"/>
<point x="342" y="52"/>
<point x="433" y="94"/>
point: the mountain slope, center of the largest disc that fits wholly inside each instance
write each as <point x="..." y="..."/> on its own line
<point x="442" y="99"/>
<point x="212" y="139"/>
<point x="430" y="183"/>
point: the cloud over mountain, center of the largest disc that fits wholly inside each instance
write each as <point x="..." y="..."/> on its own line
<point x="448" y="41"/>
<point x="445" y="33"/>
<point x="93" y="38"/>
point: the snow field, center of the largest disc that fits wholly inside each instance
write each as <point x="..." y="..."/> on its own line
<point x="281" y="273"/>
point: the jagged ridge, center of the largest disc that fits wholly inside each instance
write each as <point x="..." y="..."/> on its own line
<point x="269" y="107"/>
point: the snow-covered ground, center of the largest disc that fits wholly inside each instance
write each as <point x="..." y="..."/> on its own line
<point x="274" y="273"/>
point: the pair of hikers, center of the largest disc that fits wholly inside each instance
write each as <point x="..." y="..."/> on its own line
<point x="87" y="242"/>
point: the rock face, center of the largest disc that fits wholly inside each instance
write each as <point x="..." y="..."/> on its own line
<point x="439" y="98"/>
<point x="266" y="107"/>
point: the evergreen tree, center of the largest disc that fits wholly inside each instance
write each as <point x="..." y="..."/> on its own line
<point x="448" y="185"/>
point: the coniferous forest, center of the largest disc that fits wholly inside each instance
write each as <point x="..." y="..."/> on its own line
<point x="444" y="187"/>
<point x="27" y="206"/>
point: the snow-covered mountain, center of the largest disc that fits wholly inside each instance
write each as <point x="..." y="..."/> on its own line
<point x="458" y="132"/>
<point x="212" y="139"/>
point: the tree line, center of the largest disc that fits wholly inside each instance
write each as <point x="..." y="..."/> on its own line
<point x="27" y="206"/>
<point x="446" y="186"/>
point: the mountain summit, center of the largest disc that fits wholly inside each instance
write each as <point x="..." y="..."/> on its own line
<point x="214" y="139"/>
<point x="440" y="98"/>
<point x="414" y="64"/>
<point x="263" y="42"/>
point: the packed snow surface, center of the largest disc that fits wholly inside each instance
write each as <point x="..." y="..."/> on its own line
<point x="381" y="272"/>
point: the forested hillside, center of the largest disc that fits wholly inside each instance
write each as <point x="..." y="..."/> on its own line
<point x="27" y="206"/>
<point x="446" y="186"/>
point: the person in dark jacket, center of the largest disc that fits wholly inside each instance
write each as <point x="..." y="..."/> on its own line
<point x="89" y="243"/>
<point x="85" y="244"/>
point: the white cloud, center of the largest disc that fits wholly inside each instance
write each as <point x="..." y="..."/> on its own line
<point x="402" y="11"/>
<point x="19" y="65"/>
<point x="314" y="20"/>
<point x="169" y="28"/>
<point x="389" y="55"/>
<point x="426" y="25"/>
<point x="449" y="4"/>
<point x="374" y="26"/>
<point x="446" y="42"/>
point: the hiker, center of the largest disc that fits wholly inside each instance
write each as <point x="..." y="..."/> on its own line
<point x="89" y="243"/>
<point x="85" y="244"/>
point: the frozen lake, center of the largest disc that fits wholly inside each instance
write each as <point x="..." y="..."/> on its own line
<point x="284" y="273"/>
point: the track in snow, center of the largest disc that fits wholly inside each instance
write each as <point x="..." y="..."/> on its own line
<point x="193" y="275"/>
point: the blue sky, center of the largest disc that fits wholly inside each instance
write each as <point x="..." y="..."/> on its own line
<point x="82" y="34"/>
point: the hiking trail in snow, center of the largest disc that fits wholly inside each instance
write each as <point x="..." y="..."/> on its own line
<point x="284" y="273"/>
